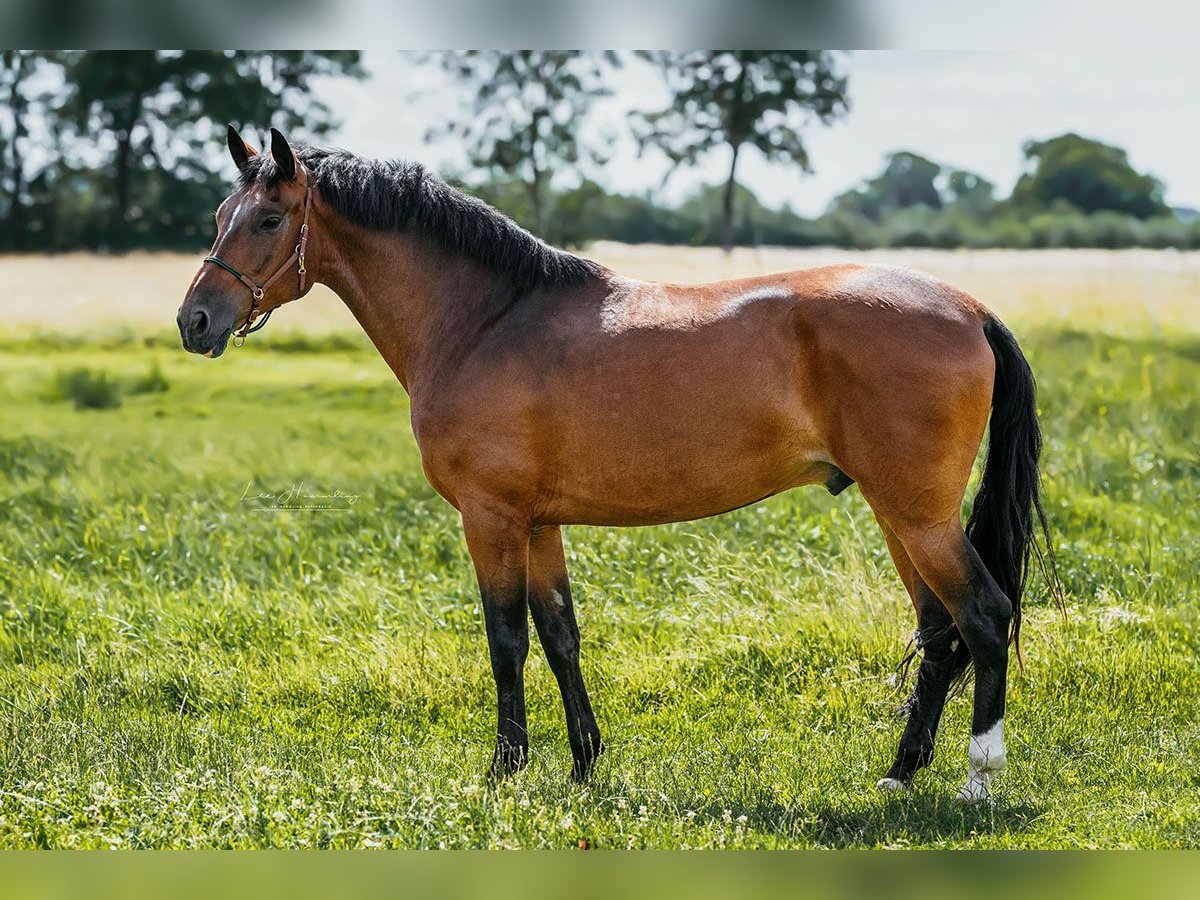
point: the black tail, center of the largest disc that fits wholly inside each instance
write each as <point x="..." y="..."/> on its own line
<point x="1008" y="510"/>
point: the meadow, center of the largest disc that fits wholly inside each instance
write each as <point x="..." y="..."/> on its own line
<point x="181" y="668"/>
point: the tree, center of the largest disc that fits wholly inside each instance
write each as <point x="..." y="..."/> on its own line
<point x="162" y="109"/>
<point x="969" y="193"/>
<point x="1087" y="174"/>
<point x="739" y="98"/>
<point x="18" y="68"/>
<point x="907" y="180"/>
<point x="524" y="114"/>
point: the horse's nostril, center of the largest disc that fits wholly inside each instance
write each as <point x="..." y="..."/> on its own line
<point x="199" y="322"/>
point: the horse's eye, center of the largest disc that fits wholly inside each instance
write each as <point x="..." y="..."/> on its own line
<point x="270" y="223"/>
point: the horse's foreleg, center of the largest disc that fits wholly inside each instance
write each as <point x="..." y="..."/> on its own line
<point x="499" y="546"/>
<point x="554" y="616"/>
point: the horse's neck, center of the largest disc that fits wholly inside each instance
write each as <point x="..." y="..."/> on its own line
<point x="415" y="305"/>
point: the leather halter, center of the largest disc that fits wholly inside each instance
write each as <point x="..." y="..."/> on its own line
<point x="257" y="290"/>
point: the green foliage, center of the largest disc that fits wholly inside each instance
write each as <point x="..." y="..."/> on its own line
<point x="153" y="382"/>
<point x="906" y="181"/>
<point x="180" y="671"/>
<point x="1087" y="174"/>
<point x="86" y="388"/>
<point x="588" y="213"/>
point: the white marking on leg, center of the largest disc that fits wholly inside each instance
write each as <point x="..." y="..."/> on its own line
<point x="891" y="784"/>
<point x="987" y="757"/>
<point x="558" y="598"/>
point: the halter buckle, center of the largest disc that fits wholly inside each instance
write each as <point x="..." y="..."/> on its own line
<point x="257" y="294"/>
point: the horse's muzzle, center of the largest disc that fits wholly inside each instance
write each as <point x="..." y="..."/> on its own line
<point x="202" y="331"/>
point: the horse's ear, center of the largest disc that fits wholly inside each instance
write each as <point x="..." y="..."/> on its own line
<point x="239" y="149"/>
<point x="285" y="156"/>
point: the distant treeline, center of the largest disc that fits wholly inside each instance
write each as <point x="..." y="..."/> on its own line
<point x="588" y="213"/>
<point x="116" y="150"/>
<point x="1075" y="192"/>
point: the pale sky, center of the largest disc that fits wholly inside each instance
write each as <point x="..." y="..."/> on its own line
<point x="971" y="109"/>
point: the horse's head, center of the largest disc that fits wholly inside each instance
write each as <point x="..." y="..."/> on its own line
<point x="257" y="262"/>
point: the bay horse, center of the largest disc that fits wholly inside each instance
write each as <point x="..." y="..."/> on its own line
<point x="546" y="390"/>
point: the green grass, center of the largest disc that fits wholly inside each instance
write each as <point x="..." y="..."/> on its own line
<point x="178" y="669"/>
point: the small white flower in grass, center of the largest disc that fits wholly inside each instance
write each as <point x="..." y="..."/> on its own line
<point x="741" y="820"/>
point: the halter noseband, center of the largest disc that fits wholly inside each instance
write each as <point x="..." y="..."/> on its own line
<point x="258" y="290"/>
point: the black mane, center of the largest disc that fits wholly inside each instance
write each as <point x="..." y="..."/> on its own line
<point x="398" y="196"/>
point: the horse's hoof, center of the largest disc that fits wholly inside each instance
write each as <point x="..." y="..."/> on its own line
<point x="507" y="761"/>
<point x="987" y="757"/>
<point x="584" y="762"/>
<point x="892" y="784"/>
<point x="974" y="791"/>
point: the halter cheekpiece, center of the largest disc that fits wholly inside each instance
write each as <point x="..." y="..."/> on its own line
<point x="257" y="290"/>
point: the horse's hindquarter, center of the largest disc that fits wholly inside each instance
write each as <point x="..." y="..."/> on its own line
<point x="660" y="403"/>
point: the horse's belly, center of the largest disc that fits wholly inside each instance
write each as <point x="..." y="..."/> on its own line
<point x="676" y="501"/>
<point x="661" y="462"/>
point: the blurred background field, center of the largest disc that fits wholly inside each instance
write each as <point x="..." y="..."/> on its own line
<point x="1114" y="290"/>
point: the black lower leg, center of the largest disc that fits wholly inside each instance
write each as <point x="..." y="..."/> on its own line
<point x="554" y="617"/>
<point x="507" y="618"/>
<point x="944" y="657"/>
<point x="984" y="616"/>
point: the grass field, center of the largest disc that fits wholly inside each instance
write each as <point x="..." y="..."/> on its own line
<point x="180" y="669"/>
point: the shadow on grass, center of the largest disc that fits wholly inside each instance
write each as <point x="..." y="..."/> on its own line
<point x="875" y="820"/>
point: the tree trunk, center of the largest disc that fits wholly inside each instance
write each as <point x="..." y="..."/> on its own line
<point x="727" y="203"/>
<point x="123" y="175"/>
<point x="736" y="130"/>
<point x="120" y="213"/>
<point x="535" y="185"/>
<point x="16" y="203"/>
<point x="535" y="200"/>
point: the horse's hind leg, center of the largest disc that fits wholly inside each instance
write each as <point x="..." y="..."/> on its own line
<point x="554" y="617"/>
<point x="947" y="562"/>
<point x="943" y="655"/>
